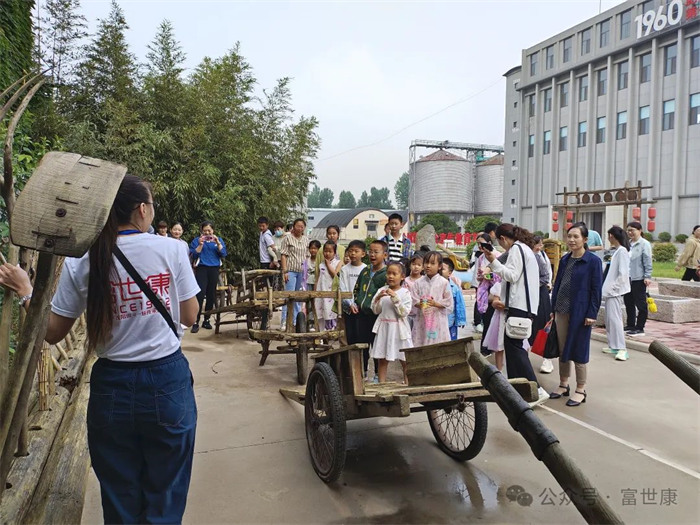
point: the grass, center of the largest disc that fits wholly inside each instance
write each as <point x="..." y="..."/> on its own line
<point x="665" y="269"/>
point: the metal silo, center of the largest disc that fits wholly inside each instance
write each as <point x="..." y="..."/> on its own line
<point x="488" y="192"/>
<point x="442" y="183"/>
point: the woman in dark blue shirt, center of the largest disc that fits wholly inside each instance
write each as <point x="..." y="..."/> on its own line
<point x="207" y="251"/>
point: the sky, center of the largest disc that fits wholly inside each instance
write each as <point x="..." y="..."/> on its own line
<point x="376" y="74"/>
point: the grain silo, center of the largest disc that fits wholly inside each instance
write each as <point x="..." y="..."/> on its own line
<point x="488" y="190"/>
<point x="442" y="182"/>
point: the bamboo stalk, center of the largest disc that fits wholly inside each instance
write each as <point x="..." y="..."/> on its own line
<point x="56" y="364"/>
<point x="61" y="351"/>
<point x="45" y="377"/>
<point x="6" y="326"/>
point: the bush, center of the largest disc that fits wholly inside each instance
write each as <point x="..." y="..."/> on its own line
<point x="477" y="224"/>
<point x="538" y="233"/>
<point x="681" y="238"/>
<point x="663" y="252"/>
<point x="665" y="237"/>
<point x="648" y="236"/>
<point x="470" y="249"/>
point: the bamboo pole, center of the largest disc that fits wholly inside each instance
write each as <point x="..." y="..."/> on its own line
<point x="61" y="351"/>
<point x="45" y="370"/>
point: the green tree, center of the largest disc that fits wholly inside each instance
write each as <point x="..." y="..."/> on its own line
<point x="61" y="27"/>
<point x="16" y="40"/>
<point x="441" y="222"/>
<point x="346" y="200"/>
<point x="320" y="198"/>
<point x="477" y="224"/>
<point x="401" y="191"/>
<point x="377" y="198"/>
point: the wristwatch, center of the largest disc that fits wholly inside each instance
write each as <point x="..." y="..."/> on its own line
<point x="24" y="299"/>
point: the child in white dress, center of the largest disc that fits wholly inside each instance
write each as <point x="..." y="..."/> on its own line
<point x="392" y="303"/>
<point x="433" y="296"/>
<point x="327" y="270"/>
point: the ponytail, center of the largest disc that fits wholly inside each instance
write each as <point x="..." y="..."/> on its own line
<point x="100" y="302"/>
<point x="516" y="233"/>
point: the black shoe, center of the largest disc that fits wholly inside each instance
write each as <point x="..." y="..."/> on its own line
<point x="629" y="329"/>
<point x="206" y="325"/>
<point x="557" y="395"/>
<point x="572" y="403"/>
<point x="195" y="328"/>
<point x="636" y="333"/>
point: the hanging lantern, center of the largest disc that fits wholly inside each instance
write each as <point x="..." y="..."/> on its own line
<point x="636" y="213"/>
<point x="652" y="213"/>
<point x="555" y="215"/>
<point x="569" y="215"/>
<point x="555" y="226"/>
<point x="651" y="225"/>
<point x="569" y="224"/>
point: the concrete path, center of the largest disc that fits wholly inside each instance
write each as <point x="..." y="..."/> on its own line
<point x="636" y="438"/>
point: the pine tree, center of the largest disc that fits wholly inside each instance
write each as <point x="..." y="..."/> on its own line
<point x="60" y="29"/>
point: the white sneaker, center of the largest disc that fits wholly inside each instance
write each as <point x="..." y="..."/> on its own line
<point x="621" y="355"/>
<point x="609" y="351"/>
<point x="479" y="328"/>
<point x="547" y="366"/>
<point x="543" y="396"/>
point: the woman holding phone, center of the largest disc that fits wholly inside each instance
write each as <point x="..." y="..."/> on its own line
<point x="207" y="251"/>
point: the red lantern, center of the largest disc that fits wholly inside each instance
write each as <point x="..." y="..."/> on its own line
<point x="651" y="225"/>
<point x="636" y="213"/>
<point x="569" y="225"/>
<point x="555" y="227"/>
<point x="555" y="216"/>
<point x="569" y="216"/>
<point x="652" y="213"/>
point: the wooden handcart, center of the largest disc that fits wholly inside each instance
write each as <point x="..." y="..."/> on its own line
<point x="238" y="297"/>
<point x="442" y="384"/>
<point x="301" y="335"/>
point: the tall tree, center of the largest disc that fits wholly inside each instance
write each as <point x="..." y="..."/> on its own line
<point x="401" y="191"/>
<point x="61" y="27"/>
<point x="441" y="222"/>
<point x="346" y="200"/>
<point x="320" y="198"/>
<point x="377" y="198"/>
<point x="16" y="40"/>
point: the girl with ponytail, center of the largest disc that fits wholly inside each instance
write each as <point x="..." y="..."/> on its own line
<point x="141" y="415"/>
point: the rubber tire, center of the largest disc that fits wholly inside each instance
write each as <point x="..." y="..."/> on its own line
<point x="322" y="372"/>
<point x="302" y="352"/>
<point x="478" y="437"/>
<point x="257" y="321"/>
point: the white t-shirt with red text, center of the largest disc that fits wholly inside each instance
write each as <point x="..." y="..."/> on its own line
<point x="139" y="332"/>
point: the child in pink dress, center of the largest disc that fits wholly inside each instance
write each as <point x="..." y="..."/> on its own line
<point x="416" y="272"/>
<point x="433" y="296"/>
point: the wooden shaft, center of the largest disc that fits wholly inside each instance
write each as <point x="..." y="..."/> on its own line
<point x="544" y="444"/>
<point x="676" y="364"/>
<point x="290" y="315"/>
<point x="270" y="304"/>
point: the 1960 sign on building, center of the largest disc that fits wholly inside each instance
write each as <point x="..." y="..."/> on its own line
<point x="667" y="16"/>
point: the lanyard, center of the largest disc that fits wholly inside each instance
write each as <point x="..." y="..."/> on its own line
<point x="129" y="232"/>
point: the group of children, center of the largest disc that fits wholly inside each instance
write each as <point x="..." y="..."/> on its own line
<point x="389" y="310"/>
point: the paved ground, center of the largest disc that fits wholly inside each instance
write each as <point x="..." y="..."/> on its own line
<point x="636" y="438"/>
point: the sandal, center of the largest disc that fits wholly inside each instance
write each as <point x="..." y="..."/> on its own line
<point x="572" y="403"/>
<point x="557" y="395"/>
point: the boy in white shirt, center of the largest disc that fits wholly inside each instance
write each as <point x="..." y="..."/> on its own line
<point x="347" y="278"/>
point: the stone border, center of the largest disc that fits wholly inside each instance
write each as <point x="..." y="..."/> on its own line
<point x="644" y="347"/>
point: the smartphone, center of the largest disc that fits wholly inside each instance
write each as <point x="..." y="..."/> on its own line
<point x="486" y="246"/>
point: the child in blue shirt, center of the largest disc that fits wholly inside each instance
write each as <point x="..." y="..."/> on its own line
<point x="458" y="316"/>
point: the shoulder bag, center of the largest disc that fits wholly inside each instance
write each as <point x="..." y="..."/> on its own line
<point x="519" y="327"/>
<point x="155" y="300"/>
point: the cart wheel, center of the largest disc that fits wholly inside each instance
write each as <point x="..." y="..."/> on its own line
<point x="460" y="429"/>
<point x="257" y="321"/>
<point x="324" y="410"/>
<point x="302" y="350"/>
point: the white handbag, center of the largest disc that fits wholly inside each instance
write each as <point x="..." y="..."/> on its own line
<point x="519" y="327"/>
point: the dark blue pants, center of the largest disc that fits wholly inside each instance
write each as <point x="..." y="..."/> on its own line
<point x="454" y="332"/>
<point x="141" y="423"/>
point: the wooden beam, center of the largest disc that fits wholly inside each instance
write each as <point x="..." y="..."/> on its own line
<point x="303" y="295"/>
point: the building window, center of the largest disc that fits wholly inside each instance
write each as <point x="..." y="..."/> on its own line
<point x="695" y="109"/>
<point x="582" y="131"/>
<point x="547" y="100"/>
<point x="623" y="70"/>
<point x="563" y="138"/>
<point x="625" y="24"/>
<point x="695" y="51"/>
<point x="512" y="202"/>
<point x="648" y="5"/>
<point x="515" y="143"/>
<point x="547" y="145"/>
<point x="669" y="115"/>
<point x="531" y="146"/>
<point x="533" y="64"/>
<point x="645" y="68"/>
<point x="600" y="131"/>
<point x="567" y="46"/>
<point x="644" y="113"/>
<point x="621" y="132"/>
<point x="604" y="33"/>
<point x="585" y="41"/>
<point x="564" y="95"/>
<point x="602" y="82"/>
<point x="531" y="106"/>
<point x="670" y="54"/>
<point x="512" y="182"/>
<point x="515" y="104"/>
<point x="549" y="57"/>
<point x="512" y="163"/>
<point x="356" y="224"/>
<point x="583" y="88"/>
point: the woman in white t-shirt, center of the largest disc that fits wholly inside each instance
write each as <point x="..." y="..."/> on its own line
<point x="141" y="415"/>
